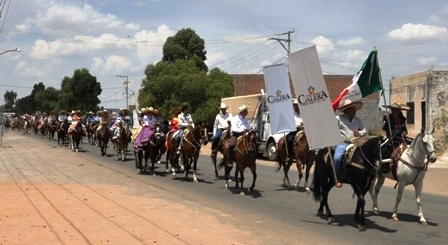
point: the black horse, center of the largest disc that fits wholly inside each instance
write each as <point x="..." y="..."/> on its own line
<point x="359" y="173"/>
<point x="63" y="133"/>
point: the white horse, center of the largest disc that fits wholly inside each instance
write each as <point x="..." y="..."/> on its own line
<point x="411" y="170"/>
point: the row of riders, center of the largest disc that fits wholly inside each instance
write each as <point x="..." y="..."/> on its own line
<point x="234" y="137"/>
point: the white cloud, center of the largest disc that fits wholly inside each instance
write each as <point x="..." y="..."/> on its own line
<point x="355" y="55"/>
<point x="214" y="58"/>
<point x="97" y="63"/>
<point x="323" y="44"/>
<point x="25" y="69"/>
<point x="351" y="42"/>
<point x="71" y="19"/>
<point x="116" y="64"/>
<point x="265" y="63"/>
<point x="149" y="44"/>
<point x="419" y="32"/>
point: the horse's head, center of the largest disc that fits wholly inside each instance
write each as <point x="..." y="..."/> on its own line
<point x="203" y="133"/>
<point x="249" y="143"/>
<point x="424" y="144"/>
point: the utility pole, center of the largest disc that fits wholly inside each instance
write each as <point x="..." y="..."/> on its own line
<point x="126" y="83"/>
<point x="281" y="40"/>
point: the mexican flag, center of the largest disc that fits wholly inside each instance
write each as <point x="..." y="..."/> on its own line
<point x="365" y="82"/>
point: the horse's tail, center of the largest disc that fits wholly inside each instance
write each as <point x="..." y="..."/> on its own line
<point x="317" y="192"/>
<point x="278" y="166"/>
<point x="221" y="164"/>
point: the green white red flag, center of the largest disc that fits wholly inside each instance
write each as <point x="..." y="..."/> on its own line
<point x="365" y="82"/>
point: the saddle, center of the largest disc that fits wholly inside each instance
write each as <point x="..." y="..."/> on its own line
<point x="392" y="164"/>
<point x="349" y="151"/>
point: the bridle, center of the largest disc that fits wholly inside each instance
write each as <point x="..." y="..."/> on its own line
<point x="196" y="144"/>
<point x="249" y="143"/>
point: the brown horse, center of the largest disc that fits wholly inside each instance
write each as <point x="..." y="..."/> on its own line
<point x="103" y="136"/>
<point x="224" y="138"/>
<point x="245" y="157"/>
<point x="74" y="136"/>
<point x="91" y="129"/>
<point x="301" y="154"/>
<point x="52" y="127"/>
<point x="122" y="141"/>
<point x="192" y="140"/>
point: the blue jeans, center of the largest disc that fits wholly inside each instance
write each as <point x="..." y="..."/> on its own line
<point x="180" y="134"/>
<point x="216" y="138"/>
<point x="338" y="155"/>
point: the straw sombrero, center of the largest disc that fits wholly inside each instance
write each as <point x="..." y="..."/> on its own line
<point x="63" y="112"/>
<point x="397" y="105"/>
<point x="123" y="109"/>
<point x="176" y="112"/>
<point x="242" y="108"/>
<point x="348" y="104"/>
<point x="77" y="112"/>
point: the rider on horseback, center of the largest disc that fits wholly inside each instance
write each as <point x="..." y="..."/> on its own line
<point x="239" y="124"/>
<point x="122" y="117"/>
<point x="89" y="118"/>
<point x="104" y="120"/>
<point x="62" y="116"/>
<point x="43" y="121"/>
<point x="349" y="127"/>
<point x="397" y="123"/>
<point x="222" y="121"/>
<point x="76" y="117"/>
<point x="147" y="129"/>
<point x="185" y="120"/>
<point x="51" y="117"/>
<point x="291" y="135"/>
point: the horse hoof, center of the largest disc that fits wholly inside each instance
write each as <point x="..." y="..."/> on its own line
<point x="423" y="222"/>
<point x="226" y="186"/>
<point x="376" y="211"/>
<point x="361" y="227"/>
<point x="195" y="180"/>
<point x="395" y="217"/>
<point x="242" y="193"/>
<point x="330" y="220"/>
<point x="167" y="171"/>
<point x="77" y="150"/>
<point x="307" y="189"/>
<point x="320" y="212"/>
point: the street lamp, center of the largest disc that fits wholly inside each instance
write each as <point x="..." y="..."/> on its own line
<point x="10" y="50"/>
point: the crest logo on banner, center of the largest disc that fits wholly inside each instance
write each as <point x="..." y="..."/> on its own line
<point x="278" y="98"/>
<point x="320" y="123"/>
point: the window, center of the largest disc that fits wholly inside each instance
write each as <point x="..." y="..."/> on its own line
<point x="410" y="113"/>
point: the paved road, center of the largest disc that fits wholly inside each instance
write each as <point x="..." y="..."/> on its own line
<point x="288" y="215"/>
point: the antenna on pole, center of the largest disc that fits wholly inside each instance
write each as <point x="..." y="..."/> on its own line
<point x="126" y="83"/>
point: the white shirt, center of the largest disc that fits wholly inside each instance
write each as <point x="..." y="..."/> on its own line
<point x="185" y="119"/>
<point x="221" y="121"/>
<point x="346" y="129"/>
<point x="62" y="118"/>
<point x="69" y="119"/>
<point x="297" y="119"/>
<point x="239" y="124"/>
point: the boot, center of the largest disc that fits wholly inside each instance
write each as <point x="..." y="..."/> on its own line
<point x="178" y="148"/>
<point x="214" y="152"/>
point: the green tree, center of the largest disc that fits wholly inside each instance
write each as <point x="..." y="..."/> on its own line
<point x="10" y="99"/>
<point x="22" y="105"/>
<point x="47" y="100"/>
<point x="80" y="92"/>
<point x="185" y="45"/>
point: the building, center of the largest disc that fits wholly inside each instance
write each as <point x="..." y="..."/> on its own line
<point x="426" y="93"/>
<point x="370" y="114"/>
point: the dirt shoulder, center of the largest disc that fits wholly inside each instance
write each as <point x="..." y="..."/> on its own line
<point x="54" y="196"/>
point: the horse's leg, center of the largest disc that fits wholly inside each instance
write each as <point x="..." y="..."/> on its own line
<point x="195" y="164"/>
<point x="400" y="190"/>
<point x="242" y="181"/>
<point x="300" y="170"/>
<point x="359" y="211"/>
<point x="214" y="164"/>
<point x="253" y="169"/>
<point x="286" y="167"/>
<point x="418" y="196"/>
<point x="309" y="164"/>
<point x="374" y="190"/>
<point x="236" y="176"/>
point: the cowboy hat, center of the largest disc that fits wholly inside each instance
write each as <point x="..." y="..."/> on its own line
<point x="176" y="111"/>
<point x="348" y="103"/>
<point x="89" y="113"/>
<point x="77" y="112"/>
<point x="44" y="114"/>
<point x="123" y="109"/>
<point x="156" y="111"/>
<point x="223" y="106"/>
<point x="242" y="108"/>
<point x="64" y="112"/>
<point x="103" y="112"/>
<point x="149" y="109"/>
<point x="397" y="105"/>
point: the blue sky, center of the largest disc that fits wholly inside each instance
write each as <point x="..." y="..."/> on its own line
<point x="112" y="37"/>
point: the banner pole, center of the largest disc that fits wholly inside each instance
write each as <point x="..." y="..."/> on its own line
<point x="332" y="165"/>
<point x="384" y="96"/>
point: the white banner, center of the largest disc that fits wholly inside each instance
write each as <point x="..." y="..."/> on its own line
<point x="319" y="119"/>
<point x="278" y="99"/>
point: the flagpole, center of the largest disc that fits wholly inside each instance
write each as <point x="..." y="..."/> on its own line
<point x="384" y="96"/>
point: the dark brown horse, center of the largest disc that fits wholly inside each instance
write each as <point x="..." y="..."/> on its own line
<point x="192" y="141"/>
<point x="224" y="138"/>
<point x="301" y="154"/>
<point x="91" y="129"/>
<point x="74" y="136"/>
<point x="245" y="157"/>
<point x="63" y="132"/>
<point x="122" y="141"/>
<point x="103" y="136"/>
<point x="149" y="151"/>
<point x="52" y="127"/>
